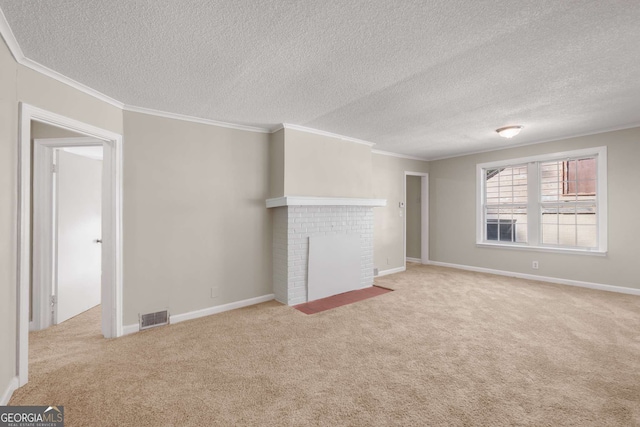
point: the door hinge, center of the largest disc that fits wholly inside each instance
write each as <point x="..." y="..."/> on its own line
<point x="54" y="168"/>
<point x="54" y="300"/>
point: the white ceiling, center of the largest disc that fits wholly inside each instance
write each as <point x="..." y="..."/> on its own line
<point x="427" y="78"/>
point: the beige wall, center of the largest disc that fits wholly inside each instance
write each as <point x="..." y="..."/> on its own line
<point x="8" y="173"/>
<point x="276" y="164"/>
<point x="44" y="92"/>
<point x="452" y="214"/>
<point x="20" y="84"/>
<point x="322" y="166"/>
<point x="194" y="215"/>
<point x="42" y="130"/>
<point x="414" y="219"/>
<point x="388" y="183"/>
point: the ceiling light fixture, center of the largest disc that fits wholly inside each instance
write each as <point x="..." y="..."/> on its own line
<point x="509" y="131"/>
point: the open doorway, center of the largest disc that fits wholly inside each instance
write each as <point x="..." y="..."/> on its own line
<point x="416" y="218"/>
<point x="32" y="252"/>
<point x="67" y="225"/>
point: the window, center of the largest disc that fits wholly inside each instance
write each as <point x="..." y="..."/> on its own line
<point x="551" y="202"/>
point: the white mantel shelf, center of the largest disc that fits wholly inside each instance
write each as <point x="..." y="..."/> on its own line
<point x="323" y="201"/>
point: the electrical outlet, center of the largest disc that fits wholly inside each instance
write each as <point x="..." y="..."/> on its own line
<point x="535" y="265"/>
<point x="214" y="292"/>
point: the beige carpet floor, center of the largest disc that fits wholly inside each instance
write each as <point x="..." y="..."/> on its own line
<point x="448" y="347"/>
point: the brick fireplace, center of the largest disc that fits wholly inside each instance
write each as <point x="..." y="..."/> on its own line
<point x="298" y="220"/>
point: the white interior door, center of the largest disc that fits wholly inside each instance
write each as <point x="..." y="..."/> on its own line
<point x="79" y="230"/>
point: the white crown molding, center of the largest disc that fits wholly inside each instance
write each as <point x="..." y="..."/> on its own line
<point x="323" y="201"/>
<point x="70" y="82"/>
<point x="10" y="38"/>
<point x="193" y="119"/>
<point x="577" y="283"/>
<point x="16" y="51"/>
<point x="323" y="133"/>
<point x="542" y="141"/>
<point x="401" y="156"/>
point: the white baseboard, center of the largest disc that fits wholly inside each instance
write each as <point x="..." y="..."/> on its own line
<point x="390" y="271"/>
<point x="219" y="308"/>
<point x="418" y="260"/>
<point x="133" y="328"/>
<point x="578" y="283"/>
<point x="11" y="387"/>
<point x="130" y="329"/>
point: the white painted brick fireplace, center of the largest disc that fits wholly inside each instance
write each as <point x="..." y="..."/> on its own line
<point x="296" y="219"/>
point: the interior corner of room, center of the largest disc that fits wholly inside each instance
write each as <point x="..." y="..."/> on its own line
<point x="160" y="217"/>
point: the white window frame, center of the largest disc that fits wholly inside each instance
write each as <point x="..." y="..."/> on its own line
<point x="533" y="202"/>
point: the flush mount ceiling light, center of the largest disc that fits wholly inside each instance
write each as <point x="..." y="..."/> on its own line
<point x="509" y="131"/>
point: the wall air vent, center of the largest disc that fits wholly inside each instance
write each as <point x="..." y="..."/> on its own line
<point x="154" y="319"/>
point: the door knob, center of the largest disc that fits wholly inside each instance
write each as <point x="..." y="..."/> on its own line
<point x="98" y="241"/>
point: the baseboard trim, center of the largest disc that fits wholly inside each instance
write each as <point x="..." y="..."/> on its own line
<point x="569" y="282"/>
<point x="11" y="387"/>
<point x="219" y="308"/>
<point x="391" y="271"/>
<point x="418" y="260"/>
<point x="130" y="329"/>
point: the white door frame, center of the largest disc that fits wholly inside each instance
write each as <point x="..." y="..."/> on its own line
<point x="424" y="213"/>
<point x="44" y="236"/>
<point x="111" y="224"/>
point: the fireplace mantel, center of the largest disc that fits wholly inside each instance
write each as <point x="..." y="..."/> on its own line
<point x="323" y="201"/>
<point x="299" y="221"/>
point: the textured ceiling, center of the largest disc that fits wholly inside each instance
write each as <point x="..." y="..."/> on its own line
<point x="423" y="78"/>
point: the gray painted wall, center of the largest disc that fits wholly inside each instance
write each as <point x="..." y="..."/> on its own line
<point x="20" y="84"/>
<point x="453" y="209"/>
<point x="317" y="165"/>
<point x="194" y="215"/>
<point x="388" y="183"/>
<point x="414" y="219"/>
<point x="8" y="173"/>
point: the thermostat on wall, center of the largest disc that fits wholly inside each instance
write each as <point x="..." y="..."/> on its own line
<point x="402" y="204"/>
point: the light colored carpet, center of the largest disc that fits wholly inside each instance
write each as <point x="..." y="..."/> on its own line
<point x="448" y="347"/>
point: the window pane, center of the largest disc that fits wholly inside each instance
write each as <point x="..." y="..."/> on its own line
<point x="572" y="226"/>
<point x="587" y="236"/>
<point x="566" y="187"/>
<point x="581" y="177"/>
<point x="506" y="185"/>
<point x="506" y="225"/>
<point x="568" y="180"/>
<point x="550" y="181"/>
<point x="549" y="226"/>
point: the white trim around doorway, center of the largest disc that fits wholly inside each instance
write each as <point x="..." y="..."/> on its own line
<point x="44" y="237"/>
<point x="424" y="213"/>
<point x="111" y="223"/>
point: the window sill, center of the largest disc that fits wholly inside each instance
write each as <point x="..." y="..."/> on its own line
<point x="591" y="252"/>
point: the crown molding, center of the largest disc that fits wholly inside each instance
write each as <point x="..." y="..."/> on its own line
<point x="401" y="156"/>
<point x="541" y="141"/>
<point x="193" y="119"/>
<point x="323" y="133"/>
<point x="18" y="55"/>
<point x="10" y="38"/>
<point x="35" y="66"/>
